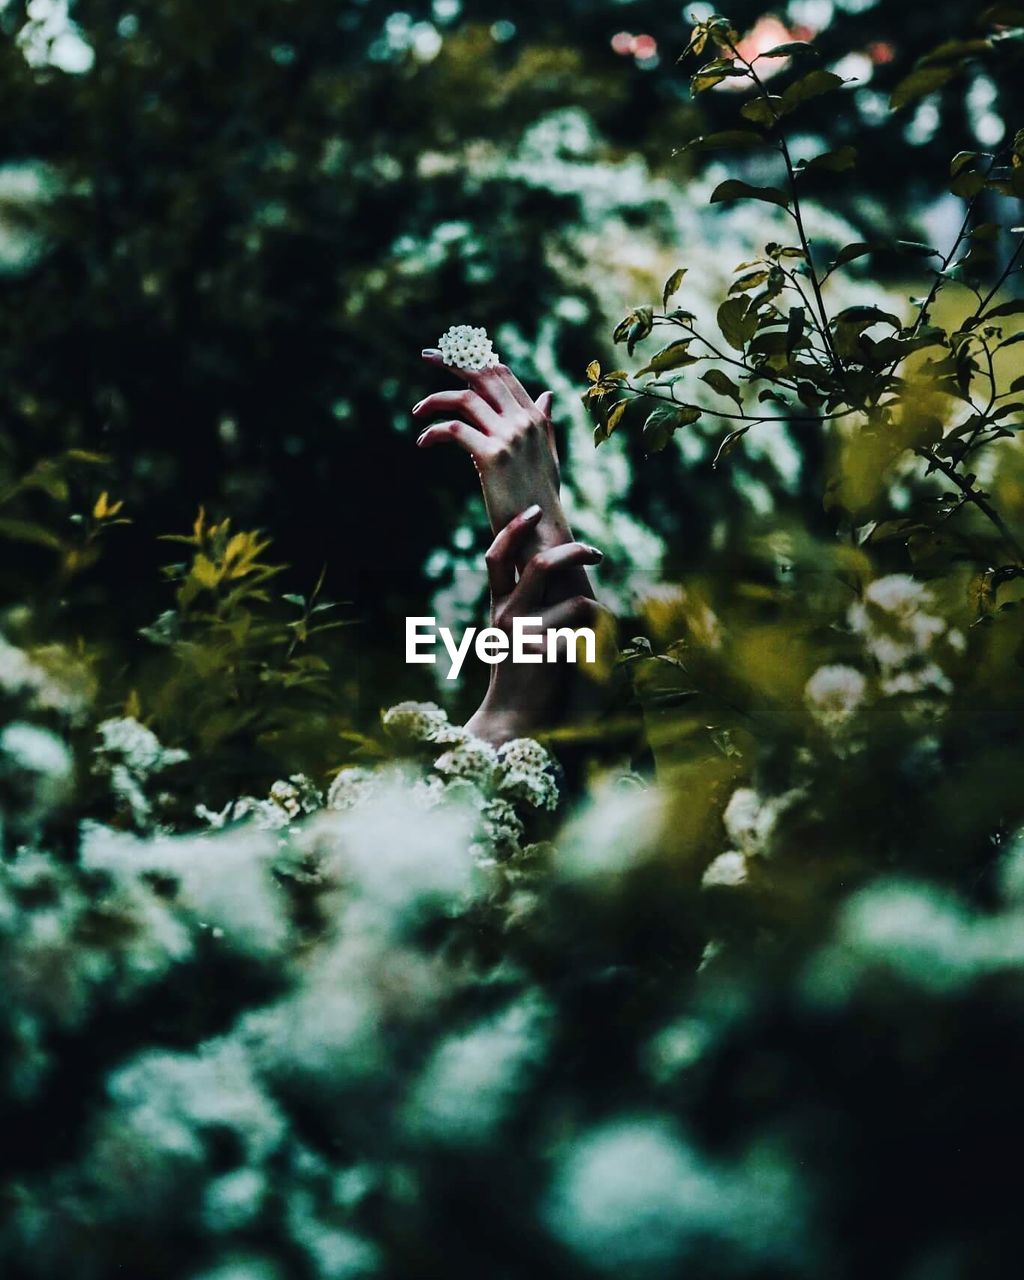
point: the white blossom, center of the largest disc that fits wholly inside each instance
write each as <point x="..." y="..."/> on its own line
<point x="463" y="347"/>
<point x="728" y="870"/>
<point x="834" y="694"/>
<point x="526" y="772"/>
<point x="471" y="761"/>
<point x="418" y="723"/>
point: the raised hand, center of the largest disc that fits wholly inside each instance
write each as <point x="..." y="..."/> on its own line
<point x="511" y="441"/>
<point x="524" y="698"/>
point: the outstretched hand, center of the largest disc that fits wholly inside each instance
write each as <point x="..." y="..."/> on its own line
<point x="521" y="699"/>
<point x="511" y="440"/>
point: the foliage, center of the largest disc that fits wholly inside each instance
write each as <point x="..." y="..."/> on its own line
<point x="293" y="994"/>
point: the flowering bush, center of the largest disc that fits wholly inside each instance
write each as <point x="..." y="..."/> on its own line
<point x="288" y="994"/>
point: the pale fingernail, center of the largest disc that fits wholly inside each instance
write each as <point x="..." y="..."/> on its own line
<point x="430" y="353"/>
<point x="418" y="406"/>
<point x="422" y="436"/>
<point x="531" y="513"/>
<point x="594" y="551"/>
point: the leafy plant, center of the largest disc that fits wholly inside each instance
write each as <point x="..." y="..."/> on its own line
<point x="885" y="386"/>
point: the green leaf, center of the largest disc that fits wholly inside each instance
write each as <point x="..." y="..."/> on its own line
<point x="967" y="184"/>
<point x="729" y="444"/>
<point x="762" y="110"/>
<point x="956" y="51"/>
<point x="615" y="417"/>
<point x="916" y="247"/>
<point x="919" y="84"/>
<point x="27" y="531"/>
<point x="672" y="285"/>
<point x="849" y="252"/>
<point x="665" y="419"/>
<point x="791" y="49"/>
<point x="812" y="85"/>
<point x="837" y="161"/>
<point x="712" y="74"/>
<point x="960" y="162"/>
<point x="727" y="138"/>
<point x="734" y="189"/>
<point x="865" y="317"/>
<point x="723" y="385"/>
<point x="749" y="281"/>
<point x="1015" y="308"/>
<point x="675" y="356"/>
<point x="737" y="323"/>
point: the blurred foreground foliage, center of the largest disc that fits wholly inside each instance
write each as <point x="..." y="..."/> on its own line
<point x="289" y="997"/>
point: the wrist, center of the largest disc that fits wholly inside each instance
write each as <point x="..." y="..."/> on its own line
<point x="495" y="724"/>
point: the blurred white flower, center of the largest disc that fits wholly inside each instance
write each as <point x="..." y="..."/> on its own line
<point x="902" y="636"/>
<point x="463" y="347"/>
<point x="351" y="787"/>
<point x="834" y="694"/>
<point x="473" y="1077"/>
<point x="41" y="766"/>
<point x="728" y="870"/>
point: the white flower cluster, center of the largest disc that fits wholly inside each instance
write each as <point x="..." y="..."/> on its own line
<point x="834" y="694"/>
<point x="130" y="754"/>
<point x="464" y="347"/>
<point x="289" y="799"/>
<point x="750" y="820"/>
<point x="453" y="768"/>
<point x="903" y="636"/>
<point x="50" y="680"/>
<point x="410" y="724"/>
<point x="37" y="766"/>
<point x="526" y="772"/>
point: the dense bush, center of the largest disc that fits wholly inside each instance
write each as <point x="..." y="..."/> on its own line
<point x="291" y="992"/>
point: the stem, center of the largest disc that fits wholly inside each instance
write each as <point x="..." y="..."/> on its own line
<point x="797" y="211"/>
<point x="1014" y="258"/>
<point x="971" y="494"/>
<point x="741" y="417"/>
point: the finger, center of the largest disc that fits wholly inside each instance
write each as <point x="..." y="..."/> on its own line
<point x="501" y="554"/>
<point x="466" y="404"/>
<point x="529" y="591"/>
<point x="460" y="433"/>
<point x="514" y="388"/>
<point x="488" y="384"/>
<point x="544" y="402"/>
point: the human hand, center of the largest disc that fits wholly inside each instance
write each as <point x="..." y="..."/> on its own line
<point x="522" y="698"/>
<point x="511" y="440"/>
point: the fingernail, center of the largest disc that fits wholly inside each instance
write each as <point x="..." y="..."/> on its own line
<point x="531" y="513"/>
<point x="421" y="436"/>
<point x="430" y="353"/>
<point x="417" y="406"/>
<point x="594" y="551"/>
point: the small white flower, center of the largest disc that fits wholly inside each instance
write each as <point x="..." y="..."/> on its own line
<point x="472" y="761"/>
<point x="748" y="819"/>
<point x="898" y="594"/>
<point x="296" y="796"/>
<point x="727" y="871"/>
<point x="526" y="772"/>
<point x="463" y="347"/>
<point x="414" y="723"/>
<point x="834" y="693"/>
<point x="351" y="787"/>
